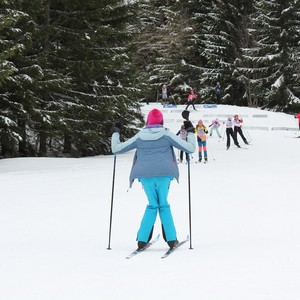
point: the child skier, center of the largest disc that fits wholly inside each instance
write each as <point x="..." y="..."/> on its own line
<point x="201" y="132"/>
<point x="215" y="126"/>
<point x="230" y="133"/>
<point x="237" y="123"/>
<point x="153" y="165"/>
<point x="183" y="134"/>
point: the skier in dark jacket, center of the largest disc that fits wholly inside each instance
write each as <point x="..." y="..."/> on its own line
<point x="218" y="92"/>
<point x="155" y="166"/>
<point x="230" y="133"/>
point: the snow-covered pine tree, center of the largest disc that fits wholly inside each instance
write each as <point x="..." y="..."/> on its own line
<point x="161" y="47"/>
<point x="7" y="47"/>
<point x="30" y="90"/>
<point x="217" y="39"/>
<point x="10" y="107"/>
<point x="92" y="39"/>
<point x="196" y="64"/>
<point x="284" y="92"/>
<point x="249" y="71"/>
<point x="270" y="65"/>
<point x="48" y="83"/>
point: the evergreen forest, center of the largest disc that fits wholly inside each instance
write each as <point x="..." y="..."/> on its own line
<point x="70" y="68"/>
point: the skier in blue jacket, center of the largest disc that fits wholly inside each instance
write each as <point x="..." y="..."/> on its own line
<point x="155" y="166"/>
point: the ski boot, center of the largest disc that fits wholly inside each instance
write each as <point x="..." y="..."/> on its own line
<point x="172" y="244"/>
<point x="141" y="245"/>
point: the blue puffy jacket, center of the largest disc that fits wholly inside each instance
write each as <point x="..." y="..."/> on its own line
<point x="155" y="154"/>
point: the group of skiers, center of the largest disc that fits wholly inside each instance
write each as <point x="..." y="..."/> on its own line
<point x="154" y="167"/>
<point x="233" y="128"/>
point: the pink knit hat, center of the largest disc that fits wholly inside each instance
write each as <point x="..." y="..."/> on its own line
<point x="200" y="122"/>
<point x="155" y="117"/>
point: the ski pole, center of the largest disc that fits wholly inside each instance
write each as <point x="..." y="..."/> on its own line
<point x="209" y="146"/>
<point x="248" y="135"/>
<point x="185" y="114"/>
<point x="190" y="202"/>
<point x="223" y="135"/>
<point x="112" y="201"/>
<point x="221" y="132"/>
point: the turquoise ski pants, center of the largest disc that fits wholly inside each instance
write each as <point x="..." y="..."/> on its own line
<point x="157" y="189"/>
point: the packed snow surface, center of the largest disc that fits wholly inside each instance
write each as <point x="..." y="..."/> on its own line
<point x="55" y="213"/>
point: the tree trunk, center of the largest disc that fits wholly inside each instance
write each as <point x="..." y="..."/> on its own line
<point x="23" y="146"/>
<point x="67" y="144"/>
<point x="7" y="145"/>
<point x="43" y="143"/>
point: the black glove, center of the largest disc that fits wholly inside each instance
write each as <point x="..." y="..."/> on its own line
<point x="188" y="126"/>
<point x="117" y="126"/>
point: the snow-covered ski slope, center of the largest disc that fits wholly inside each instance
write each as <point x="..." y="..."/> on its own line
<point x="54" y="221"/>
<point x="254" y="119"/>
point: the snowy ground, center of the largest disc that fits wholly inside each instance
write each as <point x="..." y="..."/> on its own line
<point x="54" y="220"/>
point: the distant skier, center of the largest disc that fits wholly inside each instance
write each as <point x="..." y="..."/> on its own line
<point x="201" y="132"/>
<point x="164" y="94"/>
<point x="183" y="134"/>
<point x="230" y="133"/>
<point x="214" y="126"/>
<point x="218" y="92"/>
<point x="153" y="165"/>
<point x="237" y="124"/>
<point x="191" y="99"/>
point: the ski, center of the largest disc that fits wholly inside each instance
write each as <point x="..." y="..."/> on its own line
<point x="137" y="251"/>
<point x="241" y="147"/>
<point x="287" y="136"/>
<point x="171" y="250"/>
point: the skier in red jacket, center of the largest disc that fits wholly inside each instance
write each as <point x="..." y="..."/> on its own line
<point x="298" y="117"/>
<point x="191" y="99"/>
